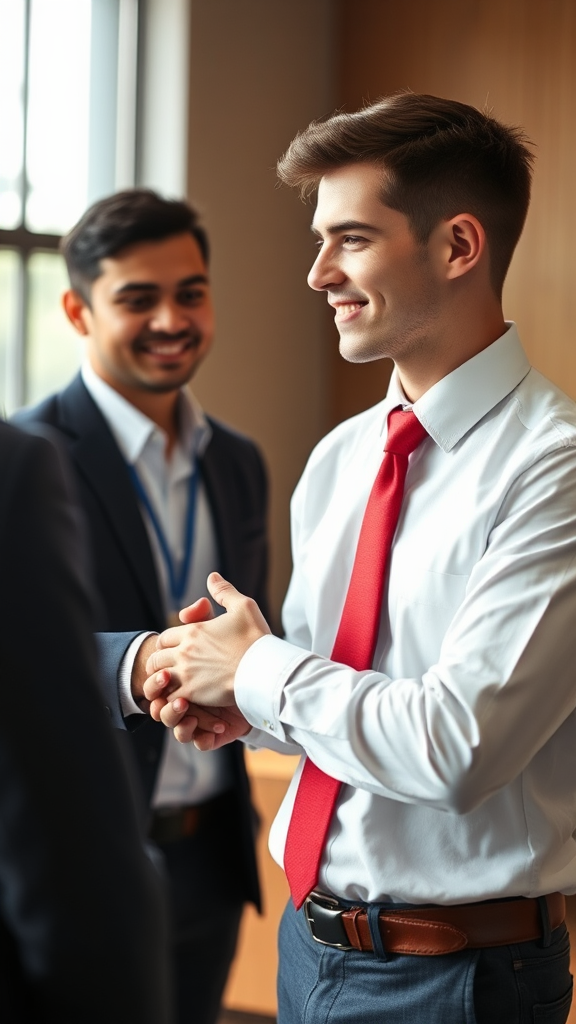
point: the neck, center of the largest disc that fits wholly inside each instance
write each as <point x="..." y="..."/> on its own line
<point x="162" y="410"/>
<point x="160" y="407"/>
<point x="464" y="336"/>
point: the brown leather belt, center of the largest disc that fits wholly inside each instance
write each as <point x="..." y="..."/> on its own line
<point x="169" y="824"/>
<point x="432" y="931"/>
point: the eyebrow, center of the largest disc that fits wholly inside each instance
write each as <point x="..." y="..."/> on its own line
<point x="148" y="286"/>
<point x="345" y="225"/>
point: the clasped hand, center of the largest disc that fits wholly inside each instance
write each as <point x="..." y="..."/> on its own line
<point x="190" y="682"/>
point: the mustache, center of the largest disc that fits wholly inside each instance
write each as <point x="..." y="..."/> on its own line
<point x="194" y="337"/>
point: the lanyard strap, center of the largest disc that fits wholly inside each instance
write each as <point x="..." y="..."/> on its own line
<point x="176" y="579"/>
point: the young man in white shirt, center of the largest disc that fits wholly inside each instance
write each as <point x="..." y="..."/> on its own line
<point x="439" y="887"/>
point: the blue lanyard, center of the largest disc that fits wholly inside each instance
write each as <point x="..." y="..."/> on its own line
<point x="176" y="580"/>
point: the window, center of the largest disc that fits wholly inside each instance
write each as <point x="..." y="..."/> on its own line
<point x="68" y="81"/>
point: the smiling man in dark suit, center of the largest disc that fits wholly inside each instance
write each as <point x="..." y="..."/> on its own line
<point x="169" y="495"/>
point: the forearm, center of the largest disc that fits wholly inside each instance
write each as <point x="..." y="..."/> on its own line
<point x="448" y="738"/>
<point x="474" y="676"/>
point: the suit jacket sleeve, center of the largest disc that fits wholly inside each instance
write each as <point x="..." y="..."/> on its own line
<point x="111" y="650"/>
<point x="82" y="929"/>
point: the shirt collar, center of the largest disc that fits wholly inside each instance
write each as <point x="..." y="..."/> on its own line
<point x="455" y="404"/>
<point x="132" y="429"/>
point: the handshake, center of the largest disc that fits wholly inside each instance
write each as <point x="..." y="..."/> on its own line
<point x="185" y="676"/>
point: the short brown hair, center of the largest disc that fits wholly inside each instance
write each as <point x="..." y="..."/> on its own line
<point x="439" y="158"/>
<point x="122" y="219"/>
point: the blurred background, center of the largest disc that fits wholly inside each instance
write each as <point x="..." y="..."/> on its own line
<point x="200" y="98"/>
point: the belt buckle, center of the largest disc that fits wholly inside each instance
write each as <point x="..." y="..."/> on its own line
<point x="324" y="912"/>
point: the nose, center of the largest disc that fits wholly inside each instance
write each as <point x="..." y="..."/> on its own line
<point x="169" y="318"/>
<point x="325" y="272"/>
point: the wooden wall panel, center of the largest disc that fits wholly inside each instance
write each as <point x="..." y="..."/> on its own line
<point x="259" y="71"/>
<point x="519" y="57"/>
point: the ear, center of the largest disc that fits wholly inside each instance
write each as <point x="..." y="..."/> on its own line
<point x="465" y="244"/>
<point x="77" y="311"/>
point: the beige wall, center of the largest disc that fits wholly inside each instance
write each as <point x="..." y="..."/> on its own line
<point x="519" y="57"/>
<point x="261" y="69"/>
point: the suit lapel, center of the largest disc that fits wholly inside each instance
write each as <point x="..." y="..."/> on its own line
<point x="218" y="491"/>
<point x="99" y="462"/>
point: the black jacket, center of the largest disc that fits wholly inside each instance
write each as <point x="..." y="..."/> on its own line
<point x="123" y="566"/>
<point x="82" y="928"/>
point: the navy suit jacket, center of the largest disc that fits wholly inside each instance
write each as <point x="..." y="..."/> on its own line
<point x="123" y="567"/>
<point x="82" y="924"/>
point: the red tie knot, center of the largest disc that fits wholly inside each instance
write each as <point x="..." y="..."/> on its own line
<point x="405" y="432"/>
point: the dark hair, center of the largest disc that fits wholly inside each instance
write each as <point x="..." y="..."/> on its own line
<point x="439" y="158"/>
<point x="125" y="218"/>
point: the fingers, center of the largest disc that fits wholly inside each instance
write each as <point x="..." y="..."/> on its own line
<point x="186" y="732"/>
<point x="203" y="741"/>
<point x="200" y="611"/>
<point x="209" y="719"/>
<point x="201" y="657"/>
<point x="162" y="658"/>
<point x="157" y="685"/>
<point x="198" y="719"/>
<point x="170" y="713"/>
<point x="177" y="716"/>
<point x="155" y="709"/>
<point x="233" y="601"/>
<point x="223" y="592"/>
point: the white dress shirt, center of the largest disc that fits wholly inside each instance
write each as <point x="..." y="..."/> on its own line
<point x="186" y="776"/>
<point x="458" y="750"/>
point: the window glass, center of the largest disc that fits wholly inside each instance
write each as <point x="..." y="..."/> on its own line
<point x="58" y="113"/>
<point x="67" y="103"/>
<point x="54" y="349"/>
<point x="11" y="110"/>
<point x="9" y="273"/>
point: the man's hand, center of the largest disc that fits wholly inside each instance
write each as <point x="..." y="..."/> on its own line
<point x="202" y="657"/>
<point x="198" y="724"/>
<point x="207" y="729"/>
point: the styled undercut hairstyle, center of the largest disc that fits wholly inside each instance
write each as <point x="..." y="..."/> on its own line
<point x="439" y="158"/>
<point x="120" y="220"/>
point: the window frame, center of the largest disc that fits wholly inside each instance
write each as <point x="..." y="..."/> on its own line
<point x="24" y="242"/>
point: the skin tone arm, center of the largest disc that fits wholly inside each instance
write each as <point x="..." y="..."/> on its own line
<point x="192" y="671"/>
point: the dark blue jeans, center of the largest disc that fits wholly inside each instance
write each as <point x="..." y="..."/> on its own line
<point x="524" y="984"/>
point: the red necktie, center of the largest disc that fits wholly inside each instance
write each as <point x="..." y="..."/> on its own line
<point x="354" y="645"/>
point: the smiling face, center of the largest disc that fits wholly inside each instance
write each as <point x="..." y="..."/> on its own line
<point x="386" y="288"/>
<point x="150" y="321"/>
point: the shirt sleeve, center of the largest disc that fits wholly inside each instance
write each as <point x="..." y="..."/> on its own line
<point x="128" y="705"/>
<point x="502" y="686"/>
<point x="258" y="739"/>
